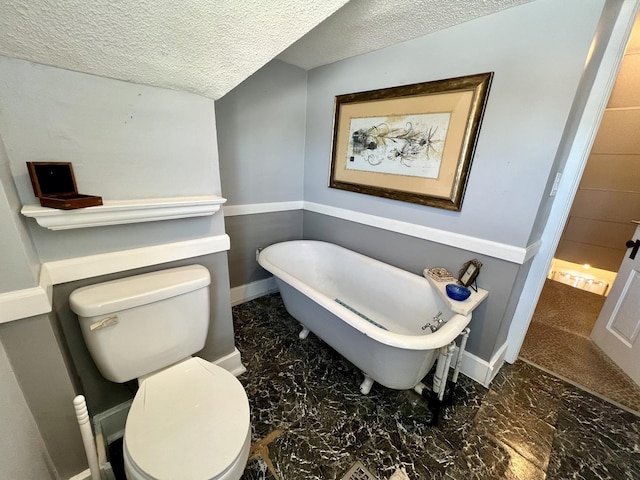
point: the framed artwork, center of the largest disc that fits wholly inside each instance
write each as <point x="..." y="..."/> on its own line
<point x="413" y="143"/>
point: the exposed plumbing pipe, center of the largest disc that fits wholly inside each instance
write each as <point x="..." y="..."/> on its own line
<point x="454" y="378"/>
<point x="450" y="349"/>
<point x="461" y="350"/>
<point x="82" y="415"/>
<point x="435" y="395"/>
<point x="422" y="389"/>
<point x="442" y="369"/>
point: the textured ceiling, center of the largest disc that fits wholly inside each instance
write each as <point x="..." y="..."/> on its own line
<point x="363" y="26"/>
<point x="210" y="46"/>
<point x="202" y="46"/>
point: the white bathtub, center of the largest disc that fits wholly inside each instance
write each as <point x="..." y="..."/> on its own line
<point x="393" y="345"/>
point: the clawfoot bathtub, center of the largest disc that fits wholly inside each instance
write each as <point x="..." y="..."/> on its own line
<point x="377" y="316"/>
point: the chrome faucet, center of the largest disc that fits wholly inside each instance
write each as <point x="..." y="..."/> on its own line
<point x="439" y="321"/>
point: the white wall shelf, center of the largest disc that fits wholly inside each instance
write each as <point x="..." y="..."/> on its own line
<point x="116" y="212"/>
<point x="464" y="307"/>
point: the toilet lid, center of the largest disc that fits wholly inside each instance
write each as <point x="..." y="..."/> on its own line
<point x="189" y="421"/>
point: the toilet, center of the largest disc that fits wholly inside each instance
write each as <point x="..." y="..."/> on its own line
<point x="189" y="419"/>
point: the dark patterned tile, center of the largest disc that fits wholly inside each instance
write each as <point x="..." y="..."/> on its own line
<point x="515" y="426"/>
<point x="485" y="458"/>
<point x="306" y="451"/>
<point x="458" y="420"/>
<point x="309" y="395"/>
<point x="526" y="378"/>
<point x="257" y="469"/>
<point x="595" y="439"/>
<point x="581" y="452"/>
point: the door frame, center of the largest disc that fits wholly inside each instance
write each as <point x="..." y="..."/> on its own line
<point x="574" y="152"/>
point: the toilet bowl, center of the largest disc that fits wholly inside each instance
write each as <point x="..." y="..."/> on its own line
<point x="190" y="421"/>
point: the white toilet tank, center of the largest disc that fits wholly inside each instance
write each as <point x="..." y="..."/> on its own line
<point x="137" y="325"/>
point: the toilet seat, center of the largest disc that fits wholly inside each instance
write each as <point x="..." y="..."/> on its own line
<point x="189" y="421"/>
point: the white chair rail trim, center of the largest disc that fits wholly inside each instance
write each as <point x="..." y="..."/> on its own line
<point x="503" y="251"/>
<point x="35" y="301"/>
<point x="255" y="208"/>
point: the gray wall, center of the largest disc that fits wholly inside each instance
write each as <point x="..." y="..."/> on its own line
<point x="537" y="52"/>
<point x="23" y="453"/>
<point x="261" y="135"/>
<point x="250" y="232"/>
<point x="126" y="141"/>
<point x="131" y="141"/>
<point x="261" y="128"/>
<point x="36" y="357"/>
<point x="17" y="254"/>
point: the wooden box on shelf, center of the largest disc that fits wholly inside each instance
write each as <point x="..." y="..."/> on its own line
<point x="55" y="185"/>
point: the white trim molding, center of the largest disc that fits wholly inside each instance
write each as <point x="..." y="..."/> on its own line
<point x="502" y="251"/>
<point x="254" y="208"/>
<point x="27" y="302"/>
<point x="68" y="270"/>
<point x="232" y="363"/>
<point x="23" y="304"/>
<point x="480" y="370"/>
<point x="116" y="212"/>
<point x="249" y="291"/>
<point x="37" y="300"/>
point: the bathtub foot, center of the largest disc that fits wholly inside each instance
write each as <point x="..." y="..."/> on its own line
<point x="304" y="333"/>
<point x="365" y="386"/>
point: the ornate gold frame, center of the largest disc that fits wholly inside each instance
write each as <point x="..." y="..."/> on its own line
<point x="462" y="98"/>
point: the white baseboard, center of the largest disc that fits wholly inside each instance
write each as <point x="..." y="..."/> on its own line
<point x="252" y="290"/>
<point x="231" y="363"/>
<point x="480" y="370"/>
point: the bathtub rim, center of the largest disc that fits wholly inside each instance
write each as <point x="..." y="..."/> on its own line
<point x="445" y="335"/>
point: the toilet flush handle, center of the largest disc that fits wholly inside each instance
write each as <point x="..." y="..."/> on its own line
<point x="105" y="322"/>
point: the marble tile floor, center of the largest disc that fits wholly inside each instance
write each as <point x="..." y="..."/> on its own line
<point x="558" y="341"/>
<point x="310" y="421"/>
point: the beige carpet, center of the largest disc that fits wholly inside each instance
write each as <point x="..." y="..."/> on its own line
<point x="558" y="341"/>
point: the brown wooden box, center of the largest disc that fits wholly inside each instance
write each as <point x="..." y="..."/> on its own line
<point x="55" y="185"/>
